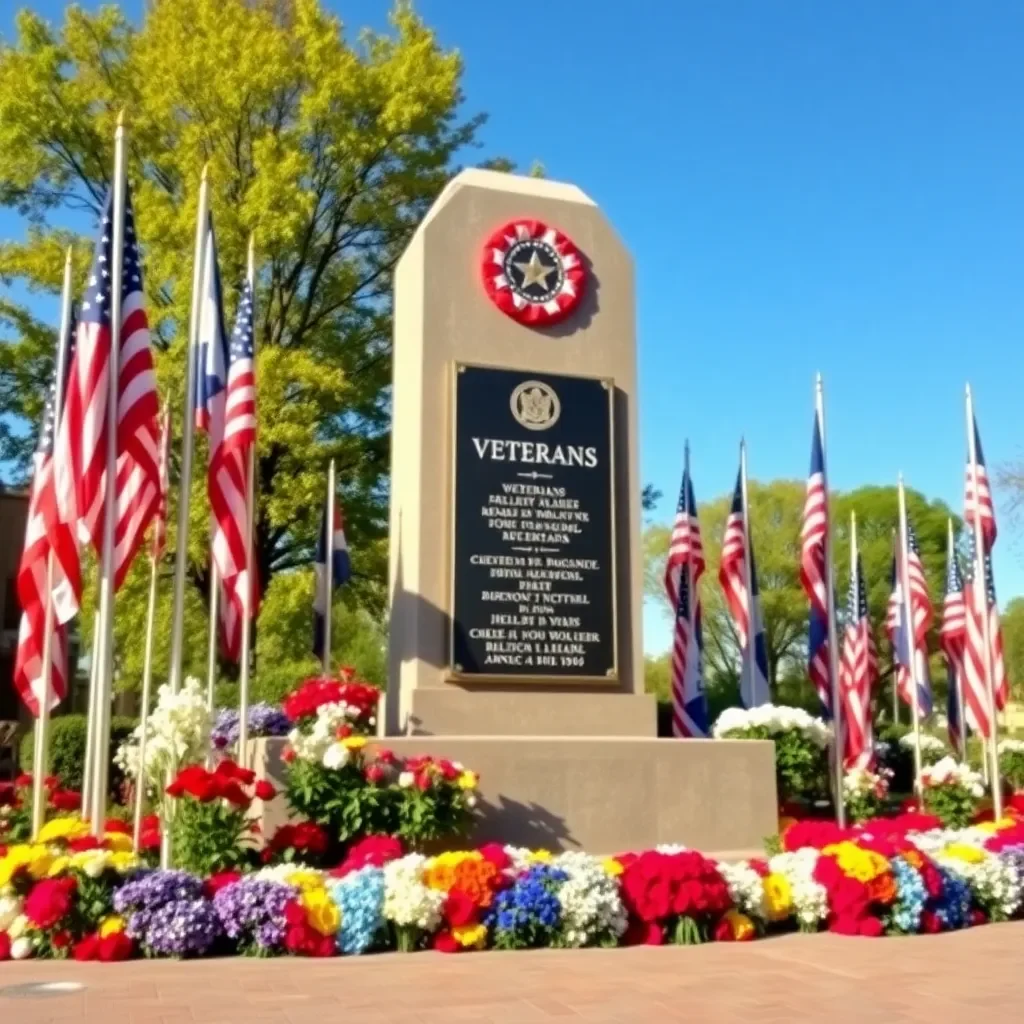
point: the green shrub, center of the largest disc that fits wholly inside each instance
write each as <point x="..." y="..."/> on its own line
<point x="67" y="749"/>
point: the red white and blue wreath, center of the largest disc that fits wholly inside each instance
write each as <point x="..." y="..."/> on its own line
<point x="532" y="272"/>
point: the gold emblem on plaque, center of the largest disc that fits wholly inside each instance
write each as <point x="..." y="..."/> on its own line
<point x="535" y="405"/>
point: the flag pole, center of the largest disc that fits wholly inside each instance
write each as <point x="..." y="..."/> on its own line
<point x="211" y="654"/>
<point x="185" y="484"/>
<point x="833" y="656"/>
<point x="250" y="488"/>
<point x="895" y="671"/>
<point x="90" y="726"/>
<point x="749" y="653"/>
<point x="958" y="675"/>
<point x="147" y="664"/>
<point x="981" y="597"/>
<point x="855" y="578"/>
<point x="329" y="570"/>
<point x="41" y="753"/>
<point x="907" y="616"/>
<point x="691" y="611"/>
<point x="105" y="678"/>
<point x="187" y="444"/>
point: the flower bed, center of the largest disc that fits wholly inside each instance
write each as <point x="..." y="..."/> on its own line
<point x="69" y="895"/>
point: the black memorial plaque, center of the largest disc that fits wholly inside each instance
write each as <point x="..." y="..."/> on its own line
<point x="533" y="547"/>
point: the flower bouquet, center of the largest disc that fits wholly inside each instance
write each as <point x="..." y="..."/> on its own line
<point x="865" y="792"/>
<point x="933" y="749"/>
<point x="264" y="720"/>
<point x="951" y="791"/>
<point x="16" y="809"/>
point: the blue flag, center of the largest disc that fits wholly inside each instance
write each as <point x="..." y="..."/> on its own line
<point x="341" y="570"/>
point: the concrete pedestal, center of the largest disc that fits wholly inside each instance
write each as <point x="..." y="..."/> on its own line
<point x="604" y="796"/>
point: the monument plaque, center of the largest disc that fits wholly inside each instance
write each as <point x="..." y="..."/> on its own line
<point x="533" y="530"/>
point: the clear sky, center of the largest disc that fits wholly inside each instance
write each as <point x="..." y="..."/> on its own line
<point x="803" y="186"/>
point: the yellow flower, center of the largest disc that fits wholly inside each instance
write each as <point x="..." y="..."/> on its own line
<point x="863" y="865"/>
<point x="40" y="862"/>
<point x="117" y="841"/>
<point x="63" y="829"/>
<point x="540" y="857"/>
<point x="123" y="861"/>
<point x="470" y="935"/>
<point x="354" y="742"/>
<point x="778" y="896"/>
<point x="740" y="925"/>
<point x="59" y="865"/>
<point x="961" y="851"/>
<point x="612" y="867"/>
<point x="111" y="925"/>
<point x="468" y="780"/>
<point x="306" y="881"/>
<point x="321" y="911"/>
<point x="18" y="857"/>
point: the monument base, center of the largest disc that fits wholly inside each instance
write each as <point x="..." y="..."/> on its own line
<point x="603" y="795"/>
<point x="453" y="710"/>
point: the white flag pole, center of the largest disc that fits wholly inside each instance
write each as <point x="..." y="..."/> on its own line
<point x="981" y="601"/>
<point x="692" y="610"/>
<point x="105" y="678"/>
<point x="833" y="656"/>
<point x="147" y="664"/>
<point x="749" y="655"/>
<point x="907" y="620"/>
<point x="329" y="570"/>
<point x="41" y="753"/>
<point x="185" y="484"/>
<point x="250" y="489"/>
<point x="211" y="653"/>
<point x="895" y="670"/>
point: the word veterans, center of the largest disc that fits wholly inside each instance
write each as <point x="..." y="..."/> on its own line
<point x="533" y="573"/>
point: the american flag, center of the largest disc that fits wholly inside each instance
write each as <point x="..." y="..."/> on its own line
<point x="745" y="607"/>
<point x="210" y="398"/>
<point x="341" y="571"/>
<point x="229" y="469"/>
<point x="44" y="538"/>
<point x="686" y="559"/>
<point x="160" y="522"/>
<point x="858" y="672"/>
<point x="911" y="643"/>
<point x="81" y="444"/>
<point x="951" y="638"/>
<point x="984" y="505"/>
<point x="813" y="573"/>
<point x="975" y="677"/>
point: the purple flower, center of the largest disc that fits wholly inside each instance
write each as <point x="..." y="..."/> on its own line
<point x="181" y="928"/>
<point x="148" y="890"/>
<point x="264" y="720"/>
<point x="252" y="912"/>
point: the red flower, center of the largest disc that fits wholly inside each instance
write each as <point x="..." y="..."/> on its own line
<point x="459" y="908"/>
<point x="812" y="833"/>
<point x="304" y="837"/>
<point x="120" y="825"/>
<point x="115" y="947"/>
<point x="294" y="914"/>
<point x="83" y="843"/>
<point x="386" y="756"/>
<point x="23" y="781"/>
<point x="723" y="931"/>
<point x="51" y="782"/>
<point x="228" y="769"/>
<point x="373" y="851"/>
<point x="495" y="853"/>
<point x="233" y="793"/>
<point x="65" y="800"/>
<point x="265" y="790"/>
<point x="87" y="949"/>
<point x="444" y="942"/>
<point x="175" y="789"/>
<point x="5" y="946"/>
<point x="49" y="901"/>
<point x="978" y="916"/>
<point x="375" y="774"/>
<point x="61" y="939"/>
<point x="344" y="731"/>
<point x="423" y="781"/>
<point x="930" y="923"/>
<point x="215" y="883"/>
<point x="656" y="886"/>
<point x="288" y="755"/>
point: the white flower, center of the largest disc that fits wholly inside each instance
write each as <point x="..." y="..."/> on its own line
<point x="864" y="782"/>
<point x="949" y="772"/>
<point x="591" y="904"/>
<point x="21" y="949"/>
<point x="1009" y="746"/>
<point x="95" y="862"/>
<point x="929" y="744"/>
<point x="737" y="723"/>
<point x="810" y="900"/>
<point x="470" y="800"/>
<point x="407" y="901"/>
<point x="17" y="928"/>
<point x="746" y="889"/>
<point x="406" y="780"/>
<point x="670" y="848"/>
<point x="336" y="757"/>
<point x="10" y="908"/>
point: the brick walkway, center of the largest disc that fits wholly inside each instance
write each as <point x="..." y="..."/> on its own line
<point x="969" y="976"/>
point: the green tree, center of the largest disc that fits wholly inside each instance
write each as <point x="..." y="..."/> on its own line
<point x="330" y="151"/>
<point x="1013" y="646"/>
<point x="776" y="511"/>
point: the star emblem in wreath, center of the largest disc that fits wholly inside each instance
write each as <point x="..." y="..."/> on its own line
<point x="532" y="272"/>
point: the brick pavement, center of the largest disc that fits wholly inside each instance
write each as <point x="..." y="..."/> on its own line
<point x="968" y="976"/>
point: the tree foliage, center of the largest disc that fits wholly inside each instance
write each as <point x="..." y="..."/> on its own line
<point x="329" y="151"/>
<point x="1013" y="645"/>
<point x="775" y="518"/>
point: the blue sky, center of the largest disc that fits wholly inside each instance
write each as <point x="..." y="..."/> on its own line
<point x="803" y="186"/>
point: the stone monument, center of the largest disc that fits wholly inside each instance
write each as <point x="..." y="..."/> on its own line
<point x="515" y="558"/>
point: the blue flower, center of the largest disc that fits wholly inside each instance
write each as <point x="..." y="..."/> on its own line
<point x="360" y="897"/>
